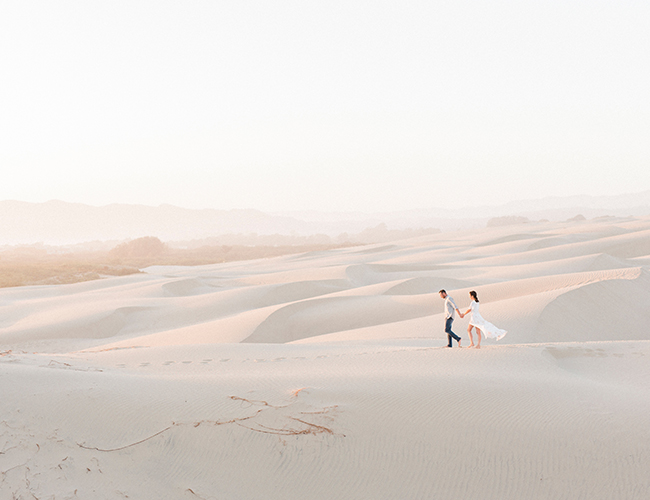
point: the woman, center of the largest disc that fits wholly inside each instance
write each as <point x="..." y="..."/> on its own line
<point x="477" y="321"/>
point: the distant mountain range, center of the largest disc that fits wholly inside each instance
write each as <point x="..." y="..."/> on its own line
<point x="58" y="222"/>
<point x="451" y="218"/>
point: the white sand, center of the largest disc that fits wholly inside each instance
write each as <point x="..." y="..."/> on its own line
<point x="323" y="376"/>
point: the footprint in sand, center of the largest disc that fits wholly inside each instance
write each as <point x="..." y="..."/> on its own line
<point x="279" y="359"/>
<point x="260" y="361"/>
<point x="224" y="360"/>
<point x="206" y="361"/>
<point x="167" y="363"/>
<point x="142" y="365"/>
<point x="186" y="362"/>
<point x="121" y="365"/>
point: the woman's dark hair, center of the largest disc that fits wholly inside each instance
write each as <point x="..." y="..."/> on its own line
<point x="473" y="294"/>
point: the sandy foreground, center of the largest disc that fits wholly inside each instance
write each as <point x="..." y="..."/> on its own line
<point x="323" y="376"/>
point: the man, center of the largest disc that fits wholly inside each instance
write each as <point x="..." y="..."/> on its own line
<point x="450" y="307"/>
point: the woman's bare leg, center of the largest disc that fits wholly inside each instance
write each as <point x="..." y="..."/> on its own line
<point x="471" y="339"/>
<point x="478" y="334"/>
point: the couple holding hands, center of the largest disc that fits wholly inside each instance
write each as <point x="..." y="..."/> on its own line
<point x="475" y="321"/>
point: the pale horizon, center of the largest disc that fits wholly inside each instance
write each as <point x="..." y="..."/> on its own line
<point x="454" y="207"/>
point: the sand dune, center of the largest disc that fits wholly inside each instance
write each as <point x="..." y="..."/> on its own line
<point x="323" y="375"/>
<point x="555" y="420"/>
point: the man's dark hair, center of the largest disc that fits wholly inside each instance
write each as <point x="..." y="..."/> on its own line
<point x="442" y="291"/>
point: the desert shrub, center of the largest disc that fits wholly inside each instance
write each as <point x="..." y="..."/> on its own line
<point x="138" y="250"/>
<point x="35" y="266"/>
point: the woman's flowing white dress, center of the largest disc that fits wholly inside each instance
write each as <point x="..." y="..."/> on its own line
<point x="489" y="330"/>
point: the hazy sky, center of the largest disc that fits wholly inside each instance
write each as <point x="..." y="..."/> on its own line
<point x="330" y="105"/>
